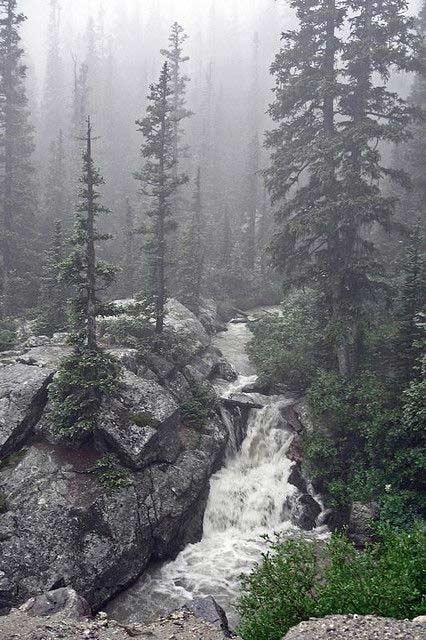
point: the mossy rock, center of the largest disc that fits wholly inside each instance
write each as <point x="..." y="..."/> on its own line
<point x="144" y="419"/>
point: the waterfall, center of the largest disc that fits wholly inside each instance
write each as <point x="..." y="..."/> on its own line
<point x="246" y="501"/>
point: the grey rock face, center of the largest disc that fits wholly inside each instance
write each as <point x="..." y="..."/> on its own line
<point x="141" y="425"/>
<point x="23" y="393"/>
<point x="186" y="325"/>
<point x="209" y="610"/>
<point x="357" y="628"/>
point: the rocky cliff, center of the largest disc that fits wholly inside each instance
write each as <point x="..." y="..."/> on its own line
<point x="94" y="517"/>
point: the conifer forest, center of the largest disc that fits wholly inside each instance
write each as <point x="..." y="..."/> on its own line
<point x="212" y="319"/>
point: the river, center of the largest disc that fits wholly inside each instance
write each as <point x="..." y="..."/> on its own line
<point x="246" y="502"/>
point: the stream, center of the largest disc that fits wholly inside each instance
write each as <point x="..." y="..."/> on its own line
<point x="246" y="502"/>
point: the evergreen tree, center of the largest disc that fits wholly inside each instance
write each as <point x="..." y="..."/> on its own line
<point x="19" y="263"/>
<point x="192" y="269"/>
<point x="88" y="374"/>
<point x="253" y="162"/>
<point x="325" y="169"/>
<point x="179" y="81"/>
<point x="52" y="312"/>
<point x="57" y="203"/>
<point x="81" y="270"/>
<point x="129" y="269"/>
<point x="159" y="182"/>
<point x="409" y="347"/>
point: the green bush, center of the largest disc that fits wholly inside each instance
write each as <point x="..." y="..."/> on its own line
<point x="198" y="408"/>
<point x="289" y="348"/>
<point x="365" y="445"/>
<point x="110" y="474"/>
<point x="83" y="380"/>
<point x="297" y="580"/>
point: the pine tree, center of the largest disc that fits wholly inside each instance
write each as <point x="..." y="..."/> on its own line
<point x="159" y="182"/>
<point x="53" y="107"/>
<point x="52" y="312"/>
<point x="325" y="165"/>
<point x="19" y="262"/>
<point x="179" y="81"/>
<point x="81" y="270"/>
<point x="409" y="347"/>
<point x="129" y="267"/>
<point x="253" y="162"/>
<point x="57" y="204"/>
<point x="192" y="269"/>
<point x="89" y="374"/>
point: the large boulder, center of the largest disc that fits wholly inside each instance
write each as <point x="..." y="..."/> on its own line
<point x="141" y="424"/>
<point x="186" y="325"/>
<point x="23" y="394"/>
<point x="357" y="628"/>
<point x="65" y="601"/>
<point x="362" y="520"/>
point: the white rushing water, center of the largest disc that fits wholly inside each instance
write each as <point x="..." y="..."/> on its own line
<point x="246" y="501"/>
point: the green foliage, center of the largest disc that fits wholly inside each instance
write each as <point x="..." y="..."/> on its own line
<point x="366" y="446"/>
<point x="198" y="408"/>
<point x="8" y="334"/>
<point x="111" y="475"/>
<point x="83" y="380"/>
<point x="296" y="581"/>
<point x="290" y="347"/>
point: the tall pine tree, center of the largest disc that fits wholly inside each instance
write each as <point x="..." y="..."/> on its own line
<point x="159" y="182"/>
<point x="192" y="267"/>
<point x="19" y="263"/>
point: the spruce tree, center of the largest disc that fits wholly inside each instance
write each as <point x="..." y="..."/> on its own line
<point x="89" y="373"/>
<point x="52" y="311"/>
<point x="409" y="346"/>
<point x="325" y="161"/>
<point x="57" y="204"/>
<point x="19" y="257"/>
<point x="129" y="267"/>
<point x="192" y="268"/>
<point x="179" y="81"/>
<point x="159" y="182"/>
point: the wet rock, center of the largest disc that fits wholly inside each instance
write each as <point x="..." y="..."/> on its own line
<point x="209" y="610"/>
<point x="356" y="627"/>
<point x="297" y="479"/>
<point x="362" y="519"/>
<point x="304" y="510"/>
<point x="186" y="325"/>
<point x="23" y="394"/>
<point x="242" y="401"/>
<point x="140" y="425"/>
<point x="65" y="601"/>
<point x="258" y="386"/>
<point x="224" y="370"/>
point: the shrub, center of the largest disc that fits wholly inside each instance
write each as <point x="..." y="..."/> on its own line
<point x="366" y="446"/>
<point x="83" y="379"/>
<point x="197" y="409"/>
<point x="289" y="348"/>
<point x="297" y="580"/>
<point x="110" y="474"/>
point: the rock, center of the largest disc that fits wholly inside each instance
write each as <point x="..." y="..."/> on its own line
<point x="242" y="401"/>
<point x="37" y="341"/>
<point x="420" y="620"/>
<point x="59" y="338"/>
<point x="186" y="325"/>
<point x="23" y="394"/>
<point x="65" y="601"/>
<point x="208" y="316"/>
<point x="362" y="518"/>
<point x="224" y="370"/>
<point x="128" y="358"/>
<point x="209" y="610"/>
<point x="304" y="510"/>
<point x="141" y="425"/>
<point x="297" y="479"/>
<point x="356" y="627"/>
<point x="258" y="386"/>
